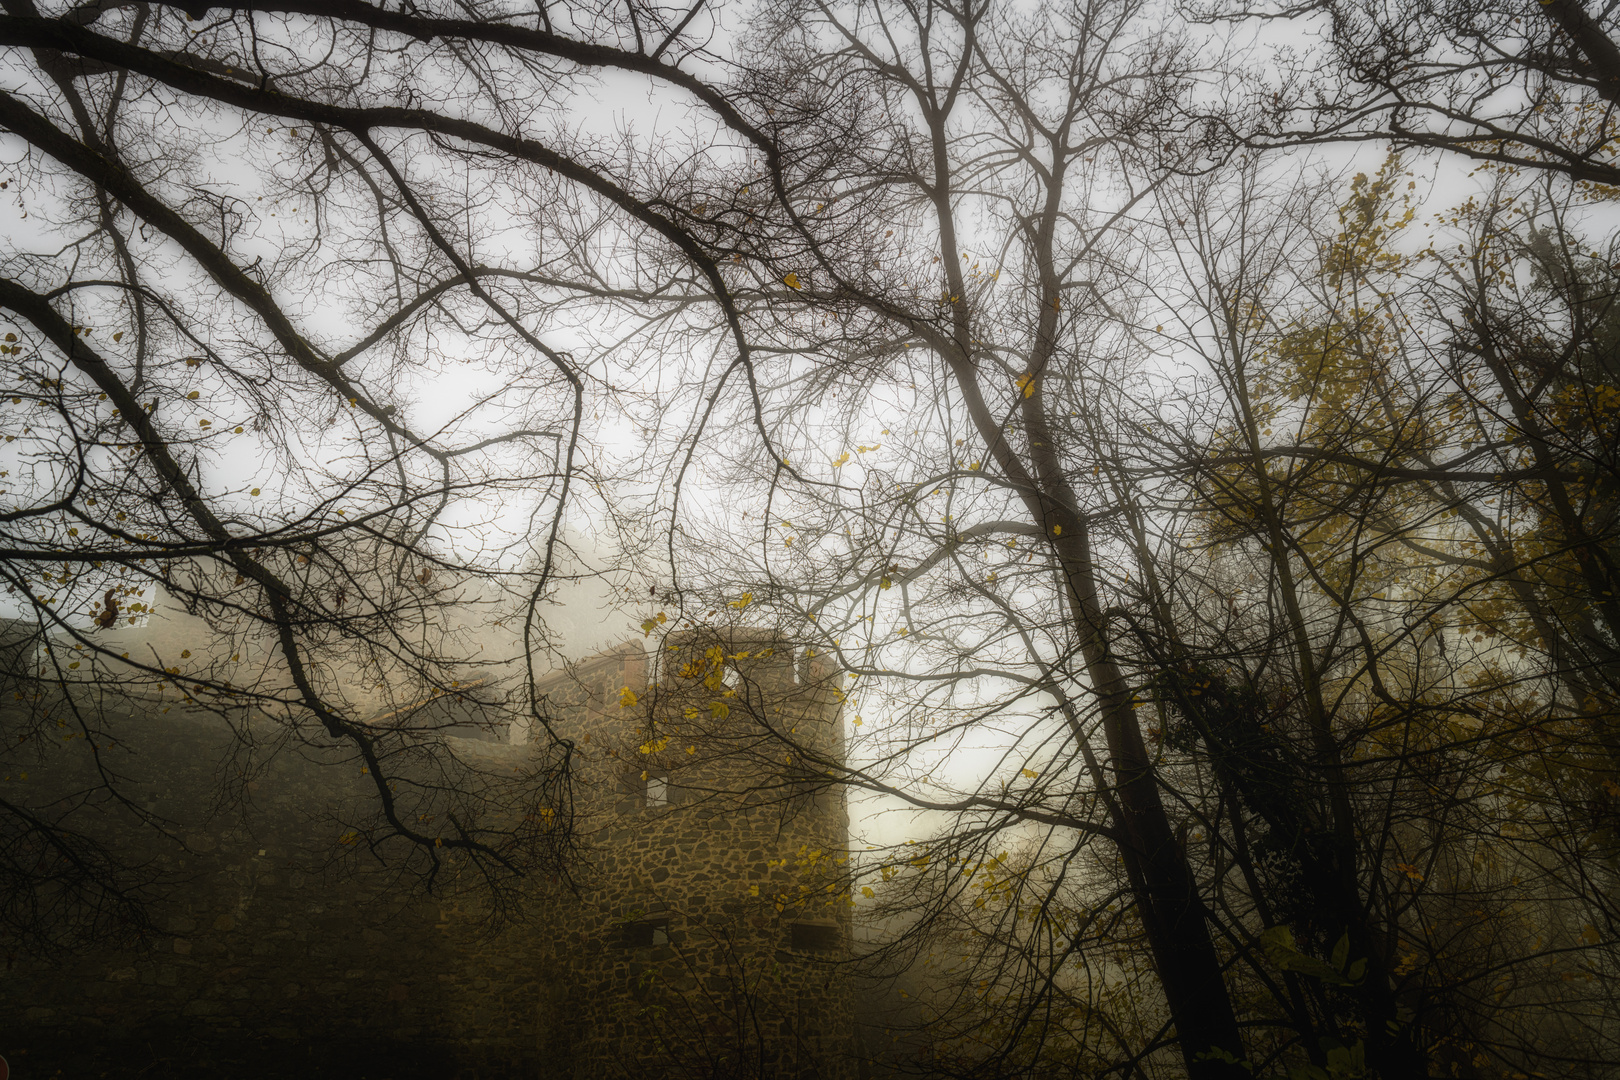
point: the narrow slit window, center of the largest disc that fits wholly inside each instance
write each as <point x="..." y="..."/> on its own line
<point x="657" y="792"/>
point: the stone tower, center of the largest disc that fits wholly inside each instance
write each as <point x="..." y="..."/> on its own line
<point x="708" y="933"/>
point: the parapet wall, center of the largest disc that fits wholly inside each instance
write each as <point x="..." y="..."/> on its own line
<point x="703" y="928"/>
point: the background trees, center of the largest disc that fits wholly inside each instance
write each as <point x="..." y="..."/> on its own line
<point x="1357" y="469"/>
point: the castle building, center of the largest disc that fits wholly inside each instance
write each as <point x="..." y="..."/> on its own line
<point x="703" y="932"/>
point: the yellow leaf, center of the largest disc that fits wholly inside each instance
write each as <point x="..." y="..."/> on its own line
<point x="792" y="281"/>
<point x="627" y="698"/>
<point x="1031" y="773"/>
<point x="742" y="601"/>
<point x="753" y="890"/>
<point x="842" y="458"/>
<point x="193" y="396"/>
<point x="1026" y="383"/>
<point x="185" y="654"/>
<point x="1057" y="530"/>
<point x="118" y="336"/>
<point x="719" y="709"/>
<point x="255" y="491"/>
<point x="866" y="891"/>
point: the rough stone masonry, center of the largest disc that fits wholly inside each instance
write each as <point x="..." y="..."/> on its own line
<point x="704" y="935"/>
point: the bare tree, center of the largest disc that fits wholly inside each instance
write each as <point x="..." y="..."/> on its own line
<point x="248" y="245"/>
<point x="958" y="190"/>
<point x="1503" y="83"/>
<point x="1146" y="670"/>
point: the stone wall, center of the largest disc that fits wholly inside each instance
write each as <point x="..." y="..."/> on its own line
<point x="701" y="935"/>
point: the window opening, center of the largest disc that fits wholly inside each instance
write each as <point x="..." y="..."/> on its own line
<point x="813" y="937"/>
<point x="657" y="791"/>
<point x="645" y="933"/>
